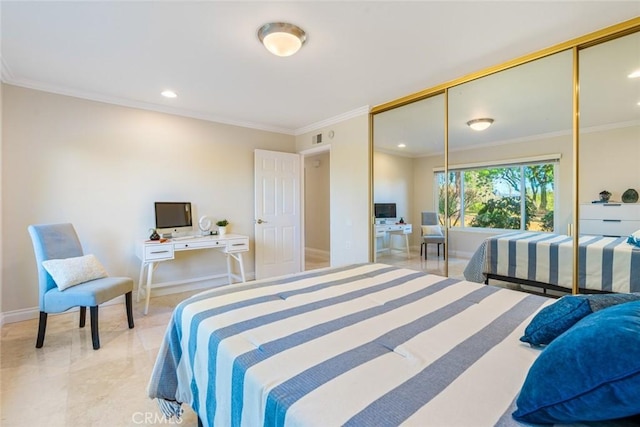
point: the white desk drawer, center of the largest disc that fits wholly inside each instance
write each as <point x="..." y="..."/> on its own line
<point x="238" y="245"/>
<point x="158" y="252"/>
<point x="200" y="245"/>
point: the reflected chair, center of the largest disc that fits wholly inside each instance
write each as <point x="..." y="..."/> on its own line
<point x="431" y="232"/>
<point x="60" y="242"/>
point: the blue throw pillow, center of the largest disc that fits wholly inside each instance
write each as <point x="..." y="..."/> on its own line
<point x="558" y="317"/>
<point x="589" y="373"/>
<point x="555" y="319"/>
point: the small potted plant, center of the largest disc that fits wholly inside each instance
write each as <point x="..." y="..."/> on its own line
<point x="222" y="226"/>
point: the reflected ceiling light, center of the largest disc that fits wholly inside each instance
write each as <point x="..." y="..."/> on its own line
<point x="479" y="124"/>
<point x="401" y="145"/>
<point x="634" y="75"/>
<point x="169" y="94"/>
<point x="281" y="38"/>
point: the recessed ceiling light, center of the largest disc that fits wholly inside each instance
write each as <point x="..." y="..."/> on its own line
<point x="169" y="94"/>
<point x="634" y="75"/>
<point x="402" y="145"/>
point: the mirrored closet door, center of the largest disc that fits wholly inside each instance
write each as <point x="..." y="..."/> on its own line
<point x="408" y="146"/>
<point x="543" y="150"/>
<point x="609" y="166"/>
<point x="510" y="160"/>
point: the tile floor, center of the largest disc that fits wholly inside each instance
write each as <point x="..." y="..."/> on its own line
<point x="67" y="383"/>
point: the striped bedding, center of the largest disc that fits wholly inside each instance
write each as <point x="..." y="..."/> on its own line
<point x="605" y="263"/>
<point x="360" y="345"/>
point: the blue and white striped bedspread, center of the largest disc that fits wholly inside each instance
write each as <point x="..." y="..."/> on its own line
<point x="361" y="345"/>
<point x="605" y="263"/>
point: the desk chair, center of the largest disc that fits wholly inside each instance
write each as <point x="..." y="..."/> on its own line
<point x="60" y="242"/>
<point x="431" y="232"/>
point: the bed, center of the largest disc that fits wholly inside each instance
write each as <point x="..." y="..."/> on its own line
<point x="347" y="346"/>
<point x="376" y="345"/>
<point x="545" y="260"/>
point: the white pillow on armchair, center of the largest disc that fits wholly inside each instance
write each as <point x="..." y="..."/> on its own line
<point x="432" y="230"/>
<point x="69" y="272"/>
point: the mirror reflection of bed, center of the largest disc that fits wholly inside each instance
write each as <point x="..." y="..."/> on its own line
<point x="531" y="108"/>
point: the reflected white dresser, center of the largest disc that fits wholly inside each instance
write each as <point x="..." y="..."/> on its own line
<point x="609" y="219"/>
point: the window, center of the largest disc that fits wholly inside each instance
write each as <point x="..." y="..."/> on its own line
<point x="492" y="196"/>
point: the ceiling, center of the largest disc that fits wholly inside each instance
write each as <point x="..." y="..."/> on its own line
<point x="527" y="102"/>
<point x="358" y="54"/>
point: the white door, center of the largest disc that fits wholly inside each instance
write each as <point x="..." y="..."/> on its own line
<point x="277" y="213"/>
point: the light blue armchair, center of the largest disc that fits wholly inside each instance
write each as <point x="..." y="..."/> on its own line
<point x="58" y="242"/>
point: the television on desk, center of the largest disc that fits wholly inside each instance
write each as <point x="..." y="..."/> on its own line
<point x="173" y="216"/>
<point x="384" y="210"/>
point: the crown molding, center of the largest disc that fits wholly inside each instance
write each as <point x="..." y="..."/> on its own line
<point x="7" y="78"/>
<point x="91" y="96"/>
<point x="333" y="120"/>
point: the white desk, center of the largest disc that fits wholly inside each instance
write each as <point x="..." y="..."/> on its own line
<point x="151" y="253"/>
<point x="386" y="232"/>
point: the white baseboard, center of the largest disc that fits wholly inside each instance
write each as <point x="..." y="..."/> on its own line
<point x="199" y="283"/>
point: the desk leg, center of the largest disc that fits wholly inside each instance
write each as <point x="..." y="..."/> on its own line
<point x="229" y="268"/>
<point x="140" y="281"/>
<point x="148" y="286"/>
<point x="406" y="240"/>
<point x="238" y="258"/>
<point x="241" y="266"/>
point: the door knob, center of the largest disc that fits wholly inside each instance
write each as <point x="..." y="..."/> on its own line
<point x="260" y="221"/>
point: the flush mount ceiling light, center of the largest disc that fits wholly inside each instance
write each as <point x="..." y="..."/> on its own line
<point x="169" y="94"/>
<point x="634" y="75"/>
<point x="402" y="145"/>
<point x="479" y="124"/>
<point x="282" y="39"/>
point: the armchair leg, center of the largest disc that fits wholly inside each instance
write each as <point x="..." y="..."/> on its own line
<point x="42" y="326"/>
<point x="94" y="327"/>
<point x="128" y="302"/>
<point x="83" y="316"/>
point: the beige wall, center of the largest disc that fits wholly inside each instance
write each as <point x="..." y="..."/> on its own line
<point x="102" y="166"/>
<point x="350" y="231"/>
<point x="317" y="202"/>
<point x="393" y="182"/>
<point x="609" y="160"/>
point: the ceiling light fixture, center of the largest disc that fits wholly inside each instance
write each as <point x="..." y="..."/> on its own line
<point x="169" y="94"/>
<point x="634" y="75"/>
<point x="281" y="38"/>
<point x="479" y="124"/>
<point x="402" y="145"/>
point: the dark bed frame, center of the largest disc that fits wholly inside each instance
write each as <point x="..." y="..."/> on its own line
<point x="542" y="285"/>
